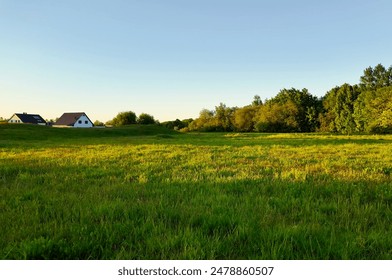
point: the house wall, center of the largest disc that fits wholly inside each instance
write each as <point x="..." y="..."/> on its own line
<point x="14" y="119"/>
<point x="83" y="121"/>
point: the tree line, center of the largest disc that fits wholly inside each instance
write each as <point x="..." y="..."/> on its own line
<point x="129" y="117"/>
<point x="362" y="108"/>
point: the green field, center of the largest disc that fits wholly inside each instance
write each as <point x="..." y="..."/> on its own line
<point x="144" y="192"/>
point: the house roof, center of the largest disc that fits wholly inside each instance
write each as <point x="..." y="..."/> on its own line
<point x="30" y="118"/>
<point x="69" y="119"/>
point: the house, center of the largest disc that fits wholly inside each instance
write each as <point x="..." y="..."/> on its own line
<point x="27" y="118"/>
<point x="74" y="120"/>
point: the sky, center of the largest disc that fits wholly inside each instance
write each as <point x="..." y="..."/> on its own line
<point x="173" y="58"/>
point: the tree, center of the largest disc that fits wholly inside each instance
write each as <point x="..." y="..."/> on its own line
<point x="368" y="80"/>
<point x="327" y="117"/>
<point x="344" y="109"/>
<point x="339" y="109"/>
<point x="377" y="77"/>
<point x="344" y="120"/>
<point x="205" y="121"/>
<point x="98" y="123"/>
<point x="307" y="106"/>
<point x="219" y="120"/>
<point x="223" y="117"/>
<point x="275" y="117"/>
<point x="373" y="111"/>
<point x="186" y="122"/>
<point x="257" y="101"/>
<point x="243" y="119"/>
<point x="145" y="119"/>
<point x="177" y="124"/>
<point x="123" y="118"/>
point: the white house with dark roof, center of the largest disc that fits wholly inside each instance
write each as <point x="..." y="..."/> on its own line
<point x="27" y="118"/>
<point x="74" y="120"/>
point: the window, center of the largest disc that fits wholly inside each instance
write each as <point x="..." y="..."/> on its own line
<point x="86" y="122"/>
<point x="79" y="121"/>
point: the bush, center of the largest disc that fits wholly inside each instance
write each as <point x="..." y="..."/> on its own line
<point x="98" y="123"/>
<point x="123" y="118"/>
<point x="145" y="119"/>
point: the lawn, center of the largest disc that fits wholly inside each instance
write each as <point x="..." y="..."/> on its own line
<point x="144" y="192"/>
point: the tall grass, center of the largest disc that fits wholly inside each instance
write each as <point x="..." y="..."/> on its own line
<point x="148" y="193"/>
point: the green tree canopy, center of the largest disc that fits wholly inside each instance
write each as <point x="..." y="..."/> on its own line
<point x="344" y="109"/>
<point x="223" y="117"/>
<point x="376" y="77"/>
<point x="98" y="123"/>
<point x="177" y="124"/>
<point x="373" y="111"/>
<point x="145" y="119"/>
<point x="123" y="118"/>
<point x="205" y="121"/>
<point x="257" y="101"/>
<point x="307" y="107"/>
<point x="339" y="109"/>
<point x="243" y="119"/>
<point x="276" y="117"/>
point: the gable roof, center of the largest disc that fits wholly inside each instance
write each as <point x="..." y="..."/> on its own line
<point x="69" y="119"/>
<point x="31" y="118"/>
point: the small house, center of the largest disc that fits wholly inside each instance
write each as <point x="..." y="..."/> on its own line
<point x="74" y="120"/>
<point x="27" y="118"/>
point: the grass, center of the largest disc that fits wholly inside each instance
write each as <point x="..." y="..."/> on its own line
<point x="144" y="192"/>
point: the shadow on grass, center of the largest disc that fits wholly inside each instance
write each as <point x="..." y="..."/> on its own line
<point x="264" y="219"/>
<point x="30" y="136"/>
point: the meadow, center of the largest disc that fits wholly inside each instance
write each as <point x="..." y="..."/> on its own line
<point x="145" y="192"/>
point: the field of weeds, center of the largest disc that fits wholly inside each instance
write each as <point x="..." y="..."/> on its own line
<point x="144" y="192"/>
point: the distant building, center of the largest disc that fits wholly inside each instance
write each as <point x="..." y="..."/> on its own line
<point x="27" y="118"/>
<point x="74" y="120"/>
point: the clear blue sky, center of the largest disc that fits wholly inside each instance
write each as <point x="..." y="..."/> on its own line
<point x="172" y="58"/>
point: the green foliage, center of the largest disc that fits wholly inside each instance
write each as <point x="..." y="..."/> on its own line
<point x="344" y="109"/>
<point x="244" y="118"/>
<point x="123" y="118"/>
<point x="257" y="101"/>
<point x="377" y="77"/>
<point x="339" y="109"/>
<point x="145" y="119"/>
<point x="219" y="120"/>
<point x="307" y="108"/>
<point x="98" y="123"/>
<point x="373" y="110"/>
<point x="277" y="117"/>
<point x="223" y="118"/>
<point x="290" y="111"/>
<point x="199" y="123"/>
<point x="177" y="124"/>
<point x="205" y="122"/>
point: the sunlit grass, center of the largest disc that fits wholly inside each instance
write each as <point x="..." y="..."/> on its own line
<point x="135" y="194"/>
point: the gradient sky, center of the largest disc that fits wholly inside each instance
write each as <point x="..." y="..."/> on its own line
<point x="172" y="58"/>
